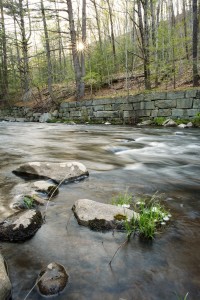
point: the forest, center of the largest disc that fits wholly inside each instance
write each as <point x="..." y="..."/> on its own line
<point x="93" y="43"/>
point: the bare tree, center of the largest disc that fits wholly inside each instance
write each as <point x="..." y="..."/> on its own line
<point x="4" y="73"/>
<point x="144" y="33"/>
<point x="195" y="43"/>
<point x="79" y="63"/>
<point x="48" y="53"/>
<point x="112" y="29"/>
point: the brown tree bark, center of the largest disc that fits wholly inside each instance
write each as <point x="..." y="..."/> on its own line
<point x="78" y="68"/>
<point x="144" y="32"/>
<point x="185" y="30"/>
<point x="48" y="53"/>
<point x="4" y="73"/>
<point x="24" y="46"/>
<point x="195" y="43"/>
<point x="112" y="30"/>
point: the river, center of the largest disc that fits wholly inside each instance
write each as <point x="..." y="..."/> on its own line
<point x="119" y="159"/>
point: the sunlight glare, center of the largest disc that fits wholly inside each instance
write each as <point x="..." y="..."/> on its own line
<point x="80" y="46"/>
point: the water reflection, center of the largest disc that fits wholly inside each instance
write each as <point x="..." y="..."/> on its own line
<point x="118" y="159"/>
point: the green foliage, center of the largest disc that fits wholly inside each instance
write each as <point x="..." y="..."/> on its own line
<point x="28" y="202"/>
<point x="182" y="121"/>
<point x="152" y="216"/>
<point x="159" y="121"/>
<point x="196" y="120"/>
<point x="122" y="199"/>
<point x="93" y="79"/>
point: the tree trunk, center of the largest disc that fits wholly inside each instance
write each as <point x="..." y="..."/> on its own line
<point x="98" y="24"/>
<point x="25" y="59"/>
<point x="195" y="44"/>
<point x="48" y="55"/>
<point x="83" y="37"/>
<point x="185" y="30"/>
<point x="173" y="23"/>
<point x="144" y="31"/>
<point x="154" y="42"/>
<point x="80" y="86"/>
<point x="112" y="30"/>
<point x="4" y="79"/>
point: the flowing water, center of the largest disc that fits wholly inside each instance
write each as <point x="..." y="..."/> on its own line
<point x="119" y="159"/>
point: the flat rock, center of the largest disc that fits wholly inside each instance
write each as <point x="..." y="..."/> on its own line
<point x="100" y="216"/>
<point x="52" y="279"/>
<point x="58" y="172"/>
<point x="5" y="284"/>
<point x="20" y="226"/>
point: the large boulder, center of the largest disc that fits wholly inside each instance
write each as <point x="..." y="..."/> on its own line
<point x="100" y="216"/>
<point x="52" y="279"/>
<point x="58" y="172"/>
<point x="5" y="285"/>
<point x="20" y="226"/>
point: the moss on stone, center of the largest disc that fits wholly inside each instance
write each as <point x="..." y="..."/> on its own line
<point x="120" y="217"/>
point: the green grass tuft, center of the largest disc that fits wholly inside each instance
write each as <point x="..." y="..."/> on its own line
<point x="28" y="202"/>
<point x="122" y="199"/>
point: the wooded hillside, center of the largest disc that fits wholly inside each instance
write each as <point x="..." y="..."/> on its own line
<point x="96" y="42"/>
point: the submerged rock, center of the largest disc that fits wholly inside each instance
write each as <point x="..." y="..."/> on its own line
<point x="5" y="285"/>
<point x="52" y="280"/>
<point x="46" y="187"/>
<point x="20" y="226"/>
<point x="100" y="216"/>
<point x="58" y="172"/>
<point x="34" y="193"/>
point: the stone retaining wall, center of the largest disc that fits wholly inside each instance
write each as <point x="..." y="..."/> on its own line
<point x="182" y="104"/>
<point x="127" y="110"/>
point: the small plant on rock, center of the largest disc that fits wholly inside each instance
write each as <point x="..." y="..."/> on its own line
<point x="158" y="121"/>
<point x="196" y="120"/>
<point x="28" y="202"/>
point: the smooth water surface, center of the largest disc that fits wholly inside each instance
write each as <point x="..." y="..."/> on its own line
<point x="119" y="159"/>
